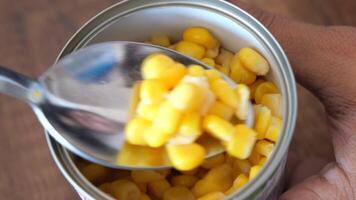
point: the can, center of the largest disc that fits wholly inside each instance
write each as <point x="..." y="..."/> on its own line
<point x="136" y="20"/>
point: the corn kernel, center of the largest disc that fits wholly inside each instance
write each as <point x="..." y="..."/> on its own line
<point x="243" y="99"/>
<point x="224" y="92"/>
<point x="254" y="171"/>
<point x="241" y="167"/>
<point x="158" y="188"/>
<point x="224" y="58"/>
<point x="196" y="70"/>
<point x="262" y="161"/>
<point x="240" y="181"/>
<point x="221" y="110"/>
<point x="152" y="91"/>
<point x="178" y="193"/>
<point x="212" y="75"/>
<point x="95" y="173"/>
<point x="153" y="65"/>
<point x="213" y="161"/>
<point x="147" y="111"/>
<point x="208" y="61"/>
<point x="168" y="118"/>
<point x="189" y="130"/>
<point x="274" y="129"/>
<point x="145" y="176"/>
<point x="218" y="179"/>
<point x="229" y="159"/>
<point x="255" y="157"/>
<point x="191" y="49"/>
<point x="106" y="187"/>
<point x="264" y="147"/>
<point x="274" y="103"/>
<point x="239" y="74"/>
<point x="144" y="197"/>
<point x="212" y="52"/>
<point x="224" y="70"/>
<point x="155" y="137"/>
<point x="253" y="87"/>
<point x="213" y="196"/>
<point x="173" y="75"/>
<point x="264" y="88"/>
<point x="200" y="35"/>
<point x="186" y="97"/>
<point x="160" y="40"/>
<point x="187" y="181"/>
<point x="242" y="142"/>
<point x="253" y="61"/>
<point x="262" y="121"/>
<point x="180" y="155"/>
<point x="135" y="130"/>
<point x="218" y="127"/>
<point x="142" y="187"/>
<point x="125" y="190"/>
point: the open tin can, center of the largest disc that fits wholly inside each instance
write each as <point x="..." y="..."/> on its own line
<point x="137" y="20"/>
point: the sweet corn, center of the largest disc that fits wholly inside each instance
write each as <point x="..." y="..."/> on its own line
<point x="264" y="88"/>
<point x="262" y="161"/>
<point x="221" y="110"/>
<point x="152" y="91"/>
<point x="106" y="187"/>
<point x="241" y="167"/>
<point x="224" y="58"/>
<point x="142" y="187"/>
<point x="208" y="61"/>
<point x="274" y="103"/>
<point x="212" y="52"/>
<point x="147" y="111"/>
<point x="180" y="155"/>
<point x="200" y="35"/>
<point x="144" y="197"/>
<point x="168" y="118"/>
<point x="187" y="181"/>
<point x="274" y="129"/>
<point x="189" y="130"/>
<point x="255" y="157"/>
<point x="253" y="61"/>
<point x="186" y="97"/>
<point x="191" y="49"/>
<point x="145" y="176"/>
<point x="213" y="196"/>
<point x="239" y="73"/>
<point x="240" y="181"/>
<point x="253" y="87"/>
<point x="158" y="188"/>
<point x="264" y="147"/>
<point x="160" y="39"/>
<point x="156" y="137"/>
<point x="196" y="70"/>
<point x="153" y="66"/>
<point x="178" y="193"/>
<point x="218" y="127"/>
<point x="242" y="142"/>
<point x="95" y="173"/>
<point x="135" y="130"/>
<point x="243" y="99"/>
<point x="212" y="75"/>
<point x="125" y="190"/>
<point x="213" y="161"/>
<point x="224" y="92"/>
<point x="254" y="171"/>
<point x="173" y="75"/>
<point x="229" y="159"/>
<point x="262" y="121"/>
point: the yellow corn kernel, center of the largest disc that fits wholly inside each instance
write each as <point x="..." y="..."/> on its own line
<point x="142" y="187"/>
<point x="264" y="147"/>
<point x="264" y="88"/>
<point x="134" y="100"/>
<point x="180" y="155"/>
<point x="106" y="187"/>
<point x="160" y="40"/>
<point x="243" y="99"/>
<point x="213" y="161"/>
<point x="145" y="176"/>
<point x="168" y="118"/>
<point x="262" y="121"/>
<point x="240" y="181"/>
<point x="241" y="167"/>
<point x="274" y="129"/>
<point x="190" y="172"/>
<point x="221" y="110"/>
<point x="158" y="188"/>
<point x="135" y="130"/>
<point x="218" y="127"/>
<point x="255" y="157"/>
<point x="224" y="58"/>
<point x="173" y="75"/>
<point x="218" y="179"/>
<point x="224" y="92"/>
<point x="212" y="52"/>
<point x="152" y="91"/>
<point x="155" y="137"/>
<point x="208" y="61"/>
<point x="186" y="97"/>
<point x="242" y="142"/>
<point x="262" y="161"/>
<point x="178" y="193"/>
<point x="187" y="181"/>
<point x="274" y="103"/>
<point x="224" y="70"/>
<point x="147" y="111"/>
<point x="189" y="129"/>
<point x="212" y="75"/>
<point x="196" y="70"/>
<point x="200" y="35"/>
<point x="253" y="87"/>
<point x="144" y="197"/>
<point x="229" y="159"/>
<point x="153" y="65"/>
<point x="253" y="61"/>
<point x="239" y="73"/>
<point x="191" y="49"/>
<point x="125" y="190"/>
<point x="95" y="173"/>
<point x="213" y="196"/>
<point x="254" y="171"/>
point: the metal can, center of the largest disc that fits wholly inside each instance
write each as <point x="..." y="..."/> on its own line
<point x="136" y="20"/>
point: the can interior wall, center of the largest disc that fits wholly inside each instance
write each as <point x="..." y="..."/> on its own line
<point x="137" y="20"/>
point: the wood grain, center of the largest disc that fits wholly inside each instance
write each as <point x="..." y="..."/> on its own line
<point x="31" y="36"/>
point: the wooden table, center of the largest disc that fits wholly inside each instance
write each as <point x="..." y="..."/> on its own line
<point x="31" y="36"/>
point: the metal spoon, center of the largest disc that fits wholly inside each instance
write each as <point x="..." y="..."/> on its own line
<point x="83" y="100"/>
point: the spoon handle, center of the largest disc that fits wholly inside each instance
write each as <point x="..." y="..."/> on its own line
<point x="15" y="84"/>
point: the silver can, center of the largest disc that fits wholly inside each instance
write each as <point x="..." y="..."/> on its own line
<point x="136" y="20"/>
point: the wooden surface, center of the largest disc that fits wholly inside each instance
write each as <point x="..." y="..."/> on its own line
<point x="32" y="33"/>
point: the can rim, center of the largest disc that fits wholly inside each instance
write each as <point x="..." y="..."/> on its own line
<point x="258" y="30"/>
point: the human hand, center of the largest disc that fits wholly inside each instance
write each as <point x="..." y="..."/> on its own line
<point x="324" y="61"/>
